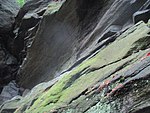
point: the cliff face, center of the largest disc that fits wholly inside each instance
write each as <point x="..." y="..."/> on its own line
<point x="92" y="57"/>
<point x="77" y="31"/>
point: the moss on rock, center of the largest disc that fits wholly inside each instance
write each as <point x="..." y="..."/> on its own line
<point x="59" y="95"/>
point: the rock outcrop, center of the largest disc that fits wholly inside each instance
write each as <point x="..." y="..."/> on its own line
<point x="9" y="91"/>
<point x="8" y="63"/>
<point x="109" y="82"/>
<point x="26" y="25"/>
<point x="81" y="57"/>
<point x="74" y="36"/>
<point x="8" y="11"/>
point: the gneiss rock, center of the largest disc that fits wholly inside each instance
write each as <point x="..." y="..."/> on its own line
<point x="71" y="35"/>
<point x="141" y="15"/>
<point x="27" y="97"/>
<point x="8" y="63"/>
<point x="28" y="18"/>
<point x="101" y="58"/>
<point x="9" y="91"/>
<point x="121" y="57"/>
<point x="8" y="11"/>
<point x="8" y="66"/>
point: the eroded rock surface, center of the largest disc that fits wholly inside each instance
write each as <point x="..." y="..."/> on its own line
<point x="108" y="82"/>
<point x="74" y="36"/>
<point x="9" y="91"/>
<point x="8" y="63"/>
<point x="8" y="11"/>
<point x="81" y="57"/>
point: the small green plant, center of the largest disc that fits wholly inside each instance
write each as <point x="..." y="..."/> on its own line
<point x="21" y="2"/>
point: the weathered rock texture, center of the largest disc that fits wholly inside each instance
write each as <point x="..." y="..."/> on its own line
<point x="8" y="11"/>
<point x="109" y="82"/>
<point x="25" y="26"/>
<point x="68" y="37"/>
<point x="92" y="57"/>
<point x="8" y="63"/>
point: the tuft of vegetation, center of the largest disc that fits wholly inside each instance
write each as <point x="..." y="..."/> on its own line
<point x="21" y="2"/>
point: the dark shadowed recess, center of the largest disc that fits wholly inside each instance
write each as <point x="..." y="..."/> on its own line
<point x="144" y="110"/>
<point x="86" y="11"/>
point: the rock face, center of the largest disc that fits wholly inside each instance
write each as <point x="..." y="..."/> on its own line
<point x="8" y="10"/>
<point x="8" y="63"/>
<point x="74" y="36"/>
<point x="109" y="82"/>
<point x="144" y="15"/>
<point x="81" y="57"/>
<point x="37" y="14"/>
<point x="9" y="91"/>
<point x="25" y="26"/>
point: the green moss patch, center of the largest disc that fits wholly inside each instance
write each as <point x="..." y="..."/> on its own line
<point x="21" y="2"/>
